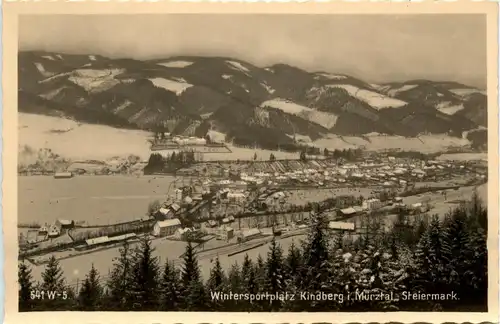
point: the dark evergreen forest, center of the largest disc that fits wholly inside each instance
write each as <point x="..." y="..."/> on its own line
<point x="418" y="255"/>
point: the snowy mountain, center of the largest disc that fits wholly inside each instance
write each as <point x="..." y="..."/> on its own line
<point x="271" y="107"/>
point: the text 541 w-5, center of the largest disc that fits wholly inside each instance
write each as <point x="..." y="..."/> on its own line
<point x="48" y="294"/>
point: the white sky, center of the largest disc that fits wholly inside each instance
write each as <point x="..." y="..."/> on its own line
<point x="376" y="48"/>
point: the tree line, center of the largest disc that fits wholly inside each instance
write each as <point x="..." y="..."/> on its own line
<point x="171" y="162"/>
<point x="346" y="154"/>
<point x="419" y="255"/>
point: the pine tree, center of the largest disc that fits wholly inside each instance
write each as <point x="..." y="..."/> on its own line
<point x="468" y="264"/>
<point x="249" y="283"/>
<point x="190" y="271"/>
<point x="235" y="284"/>
<point x="275" y="274"/>
<point x="217" y="278"/>
<point x="170" y="290"/>
<point x="248" y="275"/>
<point x="440" y="248"/>
<point x="422" y="262"/>
<point x="196" y="299"/>
<point x="25" y="287"/>
<point x="479" y="268"/>
<point x="192" y="287"/>
<point x="145" y="275"/>
<point x="478" y="213"/>
<point x="119" y="282"/>
<point x="260" y="273"/>
<point x="293" y="264"/>
<point x="91" y="292"/>
<point x="316" y="270"/>
<point x="316" y="252"/>
<point x="234" y="278"/>
<point x="53" y="281"/>
<point x="217" y="284"/>
<point x="432" y="257"/>
<point x="52" y="277"/>
<point x="292" y="273"/>
<point x="421" y="228"/>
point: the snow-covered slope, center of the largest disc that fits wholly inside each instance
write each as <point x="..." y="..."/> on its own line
<point x="176" y="64"/>
<point x="374" y="99"/>
<point x="324" y="119"/>
<point x="177" y="86"/>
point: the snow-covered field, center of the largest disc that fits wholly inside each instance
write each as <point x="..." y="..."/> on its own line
<point x="176" y="64"/>
<point x="374" y="99"/>
<point x="48" y="57"/>
<point x="238" y="67"/>
<point x="41" y="69"/>
<point x="124" y="105"/>
<point x="77" y="141"/>
<point x="178" y="86"/>
<point x="51" y="94"/>
<point x="463" y="157"/>
<point x="324" y="119"/>
<point x="332" y="76"/>
<point x="95" y="80"/>
<point x="466" y="92"/>
<point x="425" y="143"/>
<point x="268" y="88"/>
<point x="449" y="109"/>
<point x="392" y="92"/>
<point x="248" y="154"/>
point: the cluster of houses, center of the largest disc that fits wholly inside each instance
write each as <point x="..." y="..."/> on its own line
<point x="389" y="172"/>
<point x="60" y="227"/>
<point x="374" y="204"/>
<point x="223" y="231"/>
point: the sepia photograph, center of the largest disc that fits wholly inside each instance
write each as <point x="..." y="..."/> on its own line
<point x="253" y="163"/>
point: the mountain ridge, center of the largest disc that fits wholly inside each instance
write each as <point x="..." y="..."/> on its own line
<point x="268" y="107"/>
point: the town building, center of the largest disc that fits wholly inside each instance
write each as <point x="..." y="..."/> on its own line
<point x="236" y="197"/>
<point x="164" y="213"/>
<point x="166" y="227"/>
<point x="342" y="226"/>
<point x="182" y="233"/>
<point x="63" y="175"/>
<point x="54" y="231"/>
<point x="94" y="242"/>
<point x="346" y="212"/>
<point x="43" y="230"/>
<point x="225" y="233"/>
<point x="175" y="208"/>
<point x="123" y="237"/>
<point x="250" y="234"/>
<point x="178" y="195"/>
<point x="33" y="237"/>
<point x="65" y="224"/>
<point x="372" y="204"/>
<point x="209" y="226"/>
